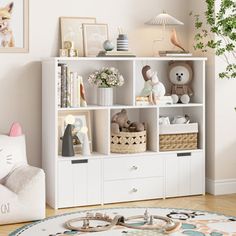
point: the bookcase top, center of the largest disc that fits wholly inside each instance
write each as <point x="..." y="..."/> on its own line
<point x="126" y="59"/>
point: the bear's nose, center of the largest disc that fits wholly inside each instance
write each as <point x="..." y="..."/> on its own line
<point x="179" y="78"/>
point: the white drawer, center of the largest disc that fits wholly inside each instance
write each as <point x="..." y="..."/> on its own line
<point x="133" y="167"/>
<point x="133" y="190"/>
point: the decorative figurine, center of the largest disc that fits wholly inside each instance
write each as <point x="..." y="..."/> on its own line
<point x="67" y="143"/>
<point x="85" y="146"/>
<point x="153" y="88"/>
<point x="108" y="45"/>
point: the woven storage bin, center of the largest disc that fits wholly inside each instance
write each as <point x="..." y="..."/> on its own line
<point x="175" y="142"/>
<point x="129" y="142"/>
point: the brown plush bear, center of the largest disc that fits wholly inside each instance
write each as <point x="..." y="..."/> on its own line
<point x="136" y="127"/>
<point x="181" y="75"/>
<point x="119" y="121"/>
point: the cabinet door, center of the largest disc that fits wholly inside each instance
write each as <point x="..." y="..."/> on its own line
<point x="197" y="173"/>
<point x="94" y="182"/>
<point x="65" y="186"/>
<point x="79" y="183"/>
<point x="171" y="164"/>
<point x="183" y="175"/>
<point x="80" y="172"/>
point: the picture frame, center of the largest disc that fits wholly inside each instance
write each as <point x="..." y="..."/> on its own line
<point x="74" y="25"/>
<point x="82" y="118"/>
<point x="15" y="37"/>
<point x="94" y="36"/>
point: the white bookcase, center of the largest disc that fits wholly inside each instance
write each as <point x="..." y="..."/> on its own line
<point x="105" y="177"/>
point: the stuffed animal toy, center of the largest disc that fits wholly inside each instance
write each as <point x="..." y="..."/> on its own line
<point x="119" y="121"/>
<point x="153" y="88"/>
<point x="180" y="76"/>
<point x="136" y="127"/>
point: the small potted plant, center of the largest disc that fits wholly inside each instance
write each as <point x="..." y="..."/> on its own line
<point x="106" y="79"/>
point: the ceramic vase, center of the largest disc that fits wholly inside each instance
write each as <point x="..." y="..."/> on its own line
<point x="105" y="96"/>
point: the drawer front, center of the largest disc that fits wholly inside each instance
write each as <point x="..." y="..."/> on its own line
<point x="133" y="190"/>
<point x="133" y="167"/>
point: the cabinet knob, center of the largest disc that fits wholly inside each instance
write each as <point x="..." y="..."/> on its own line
<point x="134" y="190"/>
<point x="134" y="168"/>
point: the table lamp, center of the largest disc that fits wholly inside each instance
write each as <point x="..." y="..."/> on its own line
<point x="164" y="20"/>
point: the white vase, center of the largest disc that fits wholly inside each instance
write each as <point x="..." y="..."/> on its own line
<point x="105" y="96"/>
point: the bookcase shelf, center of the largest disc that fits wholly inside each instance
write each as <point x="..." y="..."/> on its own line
<point x="91" y="173"/>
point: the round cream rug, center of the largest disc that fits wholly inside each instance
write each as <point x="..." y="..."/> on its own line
<point x="194" y="223"/>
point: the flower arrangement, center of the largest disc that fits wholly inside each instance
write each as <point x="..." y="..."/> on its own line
<point x="106" y="78"/>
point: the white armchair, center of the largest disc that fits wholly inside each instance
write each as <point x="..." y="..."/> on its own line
<point x="22" y="196"/>
<point x="22" y="187"/>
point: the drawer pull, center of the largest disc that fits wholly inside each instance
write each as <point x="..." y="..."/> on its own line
<point x="186" y="154"/>
<point x="134" y="190"/>
<point x="79" y="162"/>
<point x="134" y="168"/>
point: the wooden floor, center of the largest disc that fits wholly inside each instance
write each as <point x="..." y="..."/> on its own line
<point x="221" y="204"/>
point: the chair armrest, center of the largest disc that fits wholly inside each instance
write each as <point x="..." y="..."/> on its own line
<point x="22" y="176"/>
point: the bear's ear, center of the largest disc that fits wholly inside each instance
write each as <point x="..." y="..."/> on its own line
<point x="15" y="130"/>
<point x="9" y="7"/>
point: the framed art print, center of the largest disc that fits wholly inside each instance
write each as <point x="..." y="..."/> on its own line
<point x="72" y="31"/>
<point x="14" y="26"/>
<point x="94" y="37"/>
<point x="82" y="119"/>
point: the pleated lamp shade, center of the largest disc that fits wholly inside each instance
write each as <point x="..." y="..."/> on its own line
<point x="164" y="19"/>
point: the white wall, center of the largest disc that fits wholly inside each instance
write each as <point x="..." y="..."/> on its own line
<point x="199" y="7"/>
<point x="20" y="74"/>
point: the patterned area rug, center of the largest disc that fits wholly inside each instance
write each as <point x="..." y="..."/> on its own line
<point x="194" y="223"/>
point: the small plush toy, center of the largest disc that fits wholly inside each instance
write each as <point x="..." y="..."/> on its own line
<point x="119" y="121"/>
<point x="136" y="127"/>
<point x="153" y="88"/>
<point x="180" y="76"/>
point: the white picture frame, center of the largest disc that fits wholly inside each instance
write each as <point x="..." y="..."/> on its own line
<point x="82" y="119"/>
<point x="94" y="36"/>
<point x="15" y="37"/>
<point x="74" y="25"/>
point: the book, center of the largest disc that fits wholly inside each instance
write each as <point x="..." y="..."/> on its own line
<point x="115" y="54"/>
<point x="64" y="70"/>
<point x="59" y="86"/>
<point x="69" y="88"/>
<point x="175" y="54"/>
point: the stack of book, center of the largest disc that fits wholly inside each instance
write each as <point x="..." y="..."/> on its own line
<point x="69" y="87"/>
<point x="116" y="54"/>
<point x="175" y="54"/>
<point x="144" y="101"/>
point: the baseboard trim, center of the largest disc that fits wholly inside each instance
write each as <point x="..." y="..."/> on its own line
<point x="221" y="187"/>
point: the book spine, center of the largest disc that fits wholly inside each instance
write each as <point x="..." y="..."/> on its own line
<point x="59" y="86"/>
<point x="75" y="90"/>
<point x="69" y="88"/>
<point x="64" y="68"/>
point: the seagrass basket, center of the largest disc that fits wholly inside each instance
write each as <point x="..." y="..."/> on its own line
<point x="178" y="137"/>
<point x="175" y="142"/>
<point x="129" y="142"/>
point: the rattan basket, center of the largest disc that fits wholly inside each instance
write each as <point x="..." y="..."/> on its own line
<point x="175" y="142"/>
<point x="129" y="142"/>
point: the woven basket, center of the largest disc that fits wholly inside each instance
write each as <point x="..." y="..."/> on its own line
<point x="129" y="142"/>
<point x="175" y="142"/>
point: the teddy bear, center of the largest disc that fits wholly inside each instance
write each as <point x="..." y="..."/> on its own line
<point x="153" y="88"/>
<point x="119" y="122"/>
<point x="180" y="76"/>
<point x="136" y="127"/>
